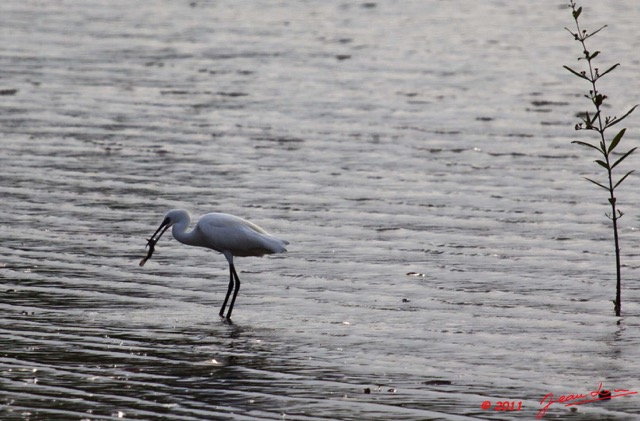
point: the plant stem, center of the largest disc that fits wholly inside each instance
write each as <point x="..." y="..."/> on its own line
<point x="605" y="149"/>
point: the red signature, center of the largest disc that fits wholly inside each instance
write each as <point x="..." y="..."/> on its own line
<point x="579" y="399"/>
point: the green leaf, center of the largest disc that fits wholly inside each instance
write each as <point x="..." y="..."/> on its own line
<point x="588" y="145"/>
<point x="609" y="69"/>
<point x="596" y="31"/>
<point x="577" y="12"/>
<point x="616" y="140"/>
<point x="576" y="73"/>
<point x="618" y="120"/>
<point x="622" y="157"/>
<point x="602" y="163"/>
<point x="596" y="183"/>
<point x="575" y="35"/>
<point x="594" y="55"/>
<point x="622" y="179"/>
<point x="603" y="147"/>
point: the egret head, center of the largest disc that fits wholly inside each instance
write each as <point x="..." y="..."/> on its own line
<point x="174" y="216"/>
<point x="171" y="218"/>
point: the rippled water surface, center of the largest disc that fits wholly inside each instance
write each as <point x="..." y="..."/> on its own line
<point x="444" y="251"/>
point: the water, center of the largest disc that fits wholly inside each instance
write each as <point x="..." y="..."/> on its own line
<point x="381" y="139"/>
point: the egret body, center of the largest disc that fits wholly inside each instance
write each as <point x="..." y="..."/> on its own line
<point x="226" y="234"/>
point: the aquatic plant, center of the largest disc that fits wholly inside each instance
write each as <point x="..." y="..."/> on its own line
<point x="598" y="123"/>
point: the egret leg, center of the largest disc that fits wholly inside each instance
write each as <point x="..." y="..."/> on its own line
<point x="231" y="285"/>
<point x="235" y="292"/>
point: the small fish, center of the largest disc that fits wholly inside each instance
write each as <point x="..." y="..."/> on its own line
<point x="151" y="244"/>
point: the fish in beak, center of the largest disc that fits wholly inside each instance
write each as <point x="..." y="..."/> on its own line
<point x="151" y="242"/>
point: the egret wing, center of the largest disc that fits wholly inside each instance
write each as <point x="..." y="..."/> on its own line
<point x="223" y="232"/>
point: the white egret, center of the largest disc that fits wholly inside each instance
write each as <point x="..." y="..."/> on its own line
<point x="226" y="234"/>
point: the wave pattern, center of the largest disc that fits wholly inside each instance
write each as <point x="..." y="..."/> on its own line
<point x="445" y="250"/>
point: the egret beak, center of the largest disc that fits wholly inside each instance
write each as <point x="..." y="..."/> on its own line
<point x="165" y="224"/>
<point x="151" y="242"/>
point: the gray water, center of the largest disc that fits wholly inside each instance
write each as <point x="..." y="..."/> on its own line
<point x="444" y="251"/>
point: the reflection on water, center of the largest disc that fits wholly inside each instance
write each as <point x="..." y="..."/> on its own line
<point x="383" y="141"/>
